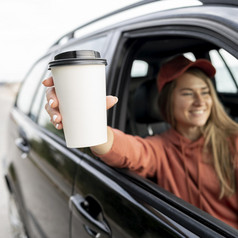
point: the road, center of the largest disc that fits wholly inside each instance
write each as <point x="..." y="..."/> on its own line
<point x="7" y="94"/>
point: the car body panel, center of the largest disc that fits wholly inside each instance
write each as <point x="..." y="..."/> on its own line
<point x="44" y="180"/>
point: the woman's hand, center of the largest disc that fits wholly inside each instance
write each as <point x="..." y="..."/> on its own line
<point x="52" y="105"/>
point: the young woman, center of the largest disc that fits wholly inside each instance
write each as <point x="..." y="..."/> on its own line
<point x="197" y="158"/>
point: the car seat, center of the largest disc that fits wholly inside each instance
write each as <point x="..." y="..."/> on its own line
<point x="147" y="118"/>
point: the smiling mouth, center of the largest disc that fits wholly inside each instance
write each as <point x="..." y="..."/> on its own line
<point x="198" y="112"/>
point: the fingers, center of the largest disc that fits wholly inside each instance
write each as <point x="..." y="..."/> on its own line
<point x="52" y="105"/>
<point x="48" y="82"/>
<point x="55" y="116"/>
<point x="53" y="110"/>
<point x="52" y="98"/>
<point x="50" y="92"/>
<point x="111" y="101"/>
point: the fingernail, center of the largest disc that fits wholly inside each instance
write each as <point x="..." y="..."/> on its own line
<point x="115" y="99"/>
<point x="51" y="101"/>
<point x="55" y="117"/>
<point x="57" y="126"/>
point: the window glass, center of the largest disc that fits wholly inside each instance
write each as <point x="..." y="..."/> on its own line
<point x="38" y="98"/>
<point x="224" y="81"/>
<point x="231" y="62"/>
<point x="96" y="44"/>
<point x="30" y="84"/>
<point x="190" y="56"/>
<point x="139" y="69"/>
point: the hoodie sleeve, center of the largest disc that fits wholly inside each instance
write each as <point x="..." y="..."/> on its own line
<point x="134" y="153"/>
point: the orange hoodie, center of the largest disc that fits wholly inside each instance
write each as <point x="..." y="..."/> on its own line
<point x="180" y="166"/>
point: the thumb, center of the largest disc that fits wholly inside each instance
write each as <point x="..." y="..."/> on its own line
<point x="48" y="82"/>
<point x="111" y="101"/>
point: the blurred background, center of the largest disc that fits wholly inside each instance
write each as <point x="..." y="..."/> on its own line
<point x="27" y="29"/>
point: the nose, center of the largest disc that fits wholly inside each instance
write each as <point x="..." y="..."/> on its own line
<point x="198" y="99"/>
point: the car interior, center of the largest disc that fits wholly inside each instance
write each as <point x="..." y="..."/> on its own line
<point x="143" y="117"/>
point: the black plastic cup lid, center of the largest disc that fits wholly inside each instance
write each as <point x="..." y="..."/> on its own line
<point x="77" y="57"/>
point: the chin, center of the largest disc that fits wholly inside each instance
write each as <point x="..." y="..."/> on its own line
<point x="199" y="124"/>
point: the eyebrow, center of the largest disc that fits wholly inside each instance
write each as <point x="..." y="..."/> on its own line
<point x="190" y="89"/>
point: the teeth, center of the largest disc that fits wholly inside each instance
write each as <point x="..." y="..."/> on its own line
<point x="198" y="112"/>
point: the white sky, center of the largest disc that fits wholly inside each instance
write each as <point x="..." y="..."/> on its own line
<point x="29" y="27"/>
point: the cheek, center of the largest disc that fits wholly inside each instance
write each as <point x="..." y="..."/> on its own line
<point x="181" y="103"/>
<point x="180" y="106"/>
<point x="209" y="103"/>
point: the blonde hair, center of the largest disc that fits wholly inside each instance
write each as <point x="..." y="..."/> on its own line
<point x="219" y="132"/>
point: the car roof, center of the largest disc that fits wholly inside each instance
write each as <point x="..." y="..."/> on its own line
<point x="224" y="11"/>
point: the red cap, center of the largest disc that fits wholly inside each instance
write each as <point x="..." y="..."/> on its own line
<point x="178" y="65"/>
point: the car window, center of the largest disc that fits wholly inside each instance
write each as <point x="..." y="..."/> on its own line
<point x="145" y="120"/>
<point x="139" y="69"/>
<point x="30" y="84"/>
<point x="190" y="56"/>
<point x="231" y="62"/>
<point x="227" y="71"/>
<point x="38" y="98"/>
<point x="97" y="44"/>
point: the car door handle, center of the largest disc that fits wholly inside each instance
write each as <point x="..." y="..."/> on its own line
<point x="23" y="145"/>
<point x="90" y="214"/>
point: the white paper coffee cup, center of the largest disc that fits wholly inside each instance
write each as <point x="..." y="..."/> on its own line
<point x="79" y="79"/>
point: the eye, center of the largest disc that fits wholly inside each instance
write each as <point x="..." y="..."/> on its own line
<point x="187" y="94"/>
<point x="206" y="93"/>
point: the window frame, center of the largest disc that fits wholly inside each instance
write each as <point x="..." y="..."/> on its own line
<point x="197" y="31"/>
<point x="78" y="41"/>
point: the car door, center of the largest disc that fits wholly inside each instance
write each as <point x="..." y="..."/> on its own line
<point x="109" y="202"/>
<point x="42" y="173"/>
<point x="106" y="204"/>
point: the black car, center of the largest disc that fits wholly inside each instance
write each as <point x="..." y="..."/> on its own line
<point x="58" y="192"/>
